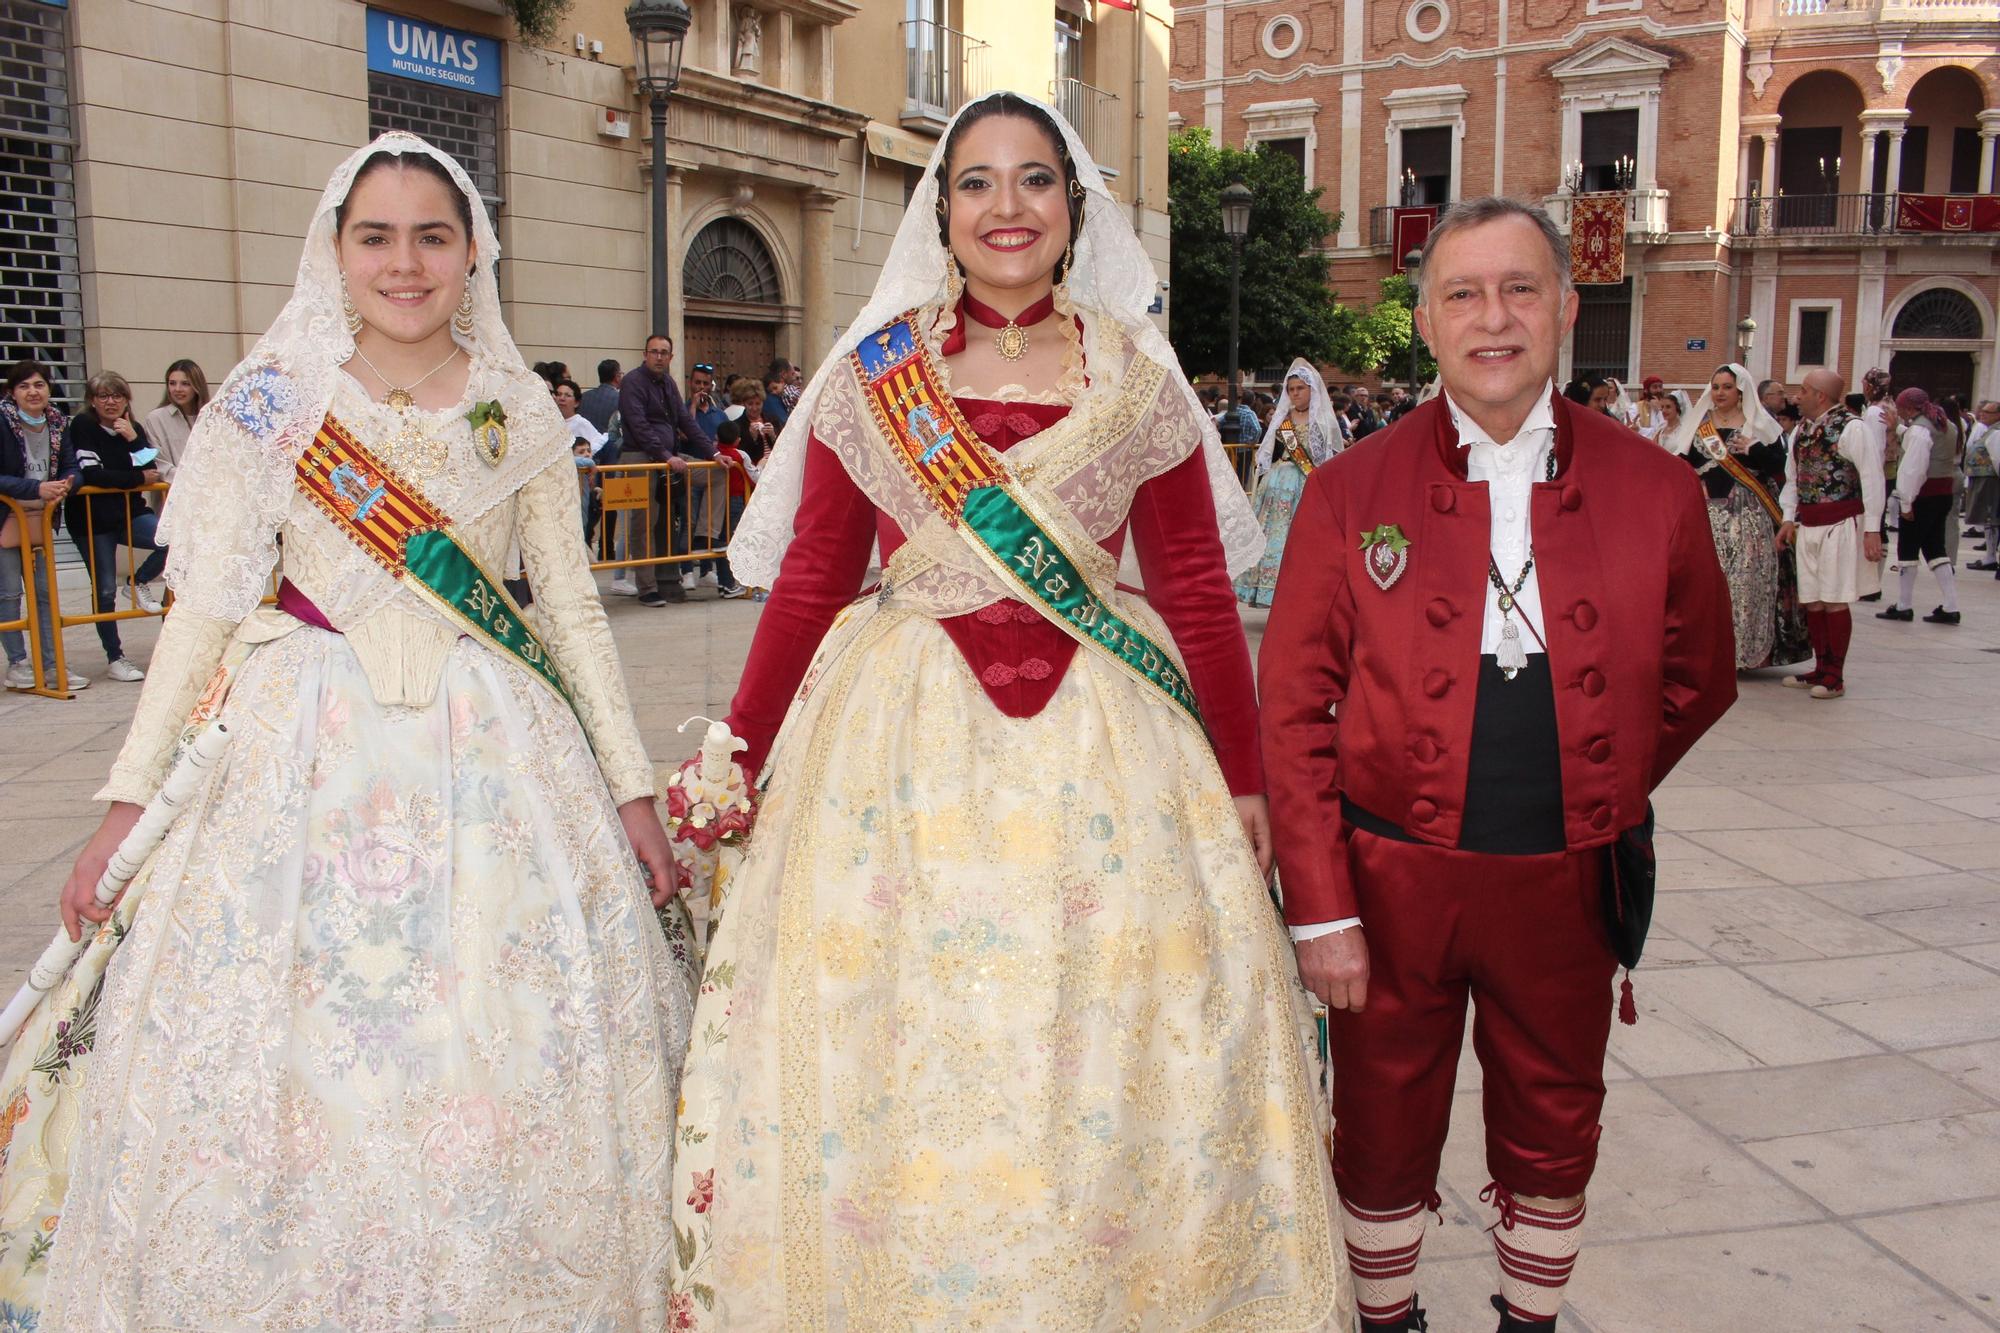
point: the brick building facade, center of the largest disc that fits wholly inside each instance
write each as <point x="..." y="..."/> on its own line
<point x="1782" y="160"/>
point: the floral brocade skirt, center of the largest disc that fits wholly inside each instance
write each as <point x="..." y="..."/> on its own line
<point x="1277" y="501"/>
<point x="999" y="1029"/>
<point x="1745" y="544"/>
<point x="391" y="1040"/>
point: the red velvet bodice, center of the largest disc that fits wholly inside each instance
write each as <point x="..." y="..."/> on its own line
<point x="1017" y="655"/>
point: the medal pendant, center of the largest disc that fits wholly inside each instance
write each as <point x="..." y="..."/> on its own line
<point x="400" y="399"/>
<point x="490" y="443"/>
<point x="1011" y="342"/>
<point x="1509" y="656"/>
<point x="1507" y="604"/>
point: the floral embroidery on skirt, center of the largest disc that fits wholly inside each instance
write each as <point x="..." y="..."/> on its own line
<point x="1277" y="501"/>
<point x="999" y="1028"/>
<point x="391" y="1043"/>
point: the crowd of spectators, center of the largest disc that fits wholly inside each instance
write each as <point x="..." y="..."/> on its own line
<point x="49" y="458"/>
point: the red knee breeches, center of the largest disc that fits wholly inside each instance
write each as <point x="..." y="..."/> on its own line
<point x="1522" y="938"/>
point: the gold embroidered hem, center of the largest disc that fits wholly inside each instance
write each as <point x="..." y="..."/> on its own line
<point x="999" y="1028"/>
<point x="391" y="1042"/>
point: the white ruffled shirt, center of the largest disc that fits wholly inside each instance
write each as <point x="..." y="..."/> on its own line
<point x="1510" y="472"/>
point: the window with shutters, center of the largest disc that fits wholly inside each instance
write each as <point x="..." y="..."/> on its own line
<point x="466" y="125"/>
<point x="1610" y="143"/>
<point x="1602" y="342"/>
<point x="41" y="288"/>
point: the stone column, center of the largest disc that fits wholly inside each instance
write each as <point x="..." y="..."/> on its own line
<point x="817" y="207"/>
<point x="677" y="245"/>
<point x="1895" y="160"/>
<point x="1743" y="166"/>
<point x="1770" y="176"/>
<point x="1989" y="130"/>
<point x="1868" y="138"/>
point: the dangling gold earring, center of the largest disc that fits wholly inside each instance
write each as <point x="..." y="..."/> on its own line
<point x="954" y="282"/>
<point x="461" y="319"/>
<point x="347" y="309"/>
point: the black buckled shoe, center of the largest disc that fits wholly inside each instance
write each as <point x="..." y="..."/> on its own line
<point x="1896" y="613"/>
<point x="1940" y="616"/>
<point x="1509" y="1324"/>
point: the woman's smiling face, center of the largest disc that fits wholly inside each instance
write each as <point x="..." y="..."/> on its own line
<point x="403" y="252"/>
<point x="1008" y="210"/>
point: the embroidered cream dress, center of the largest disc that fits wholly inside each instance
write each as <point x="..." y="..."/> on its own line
<point x="392" y="1039"/>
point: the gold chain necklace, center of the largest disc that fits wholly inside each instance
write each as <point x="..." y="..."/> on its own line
<point x="403" y="399"/>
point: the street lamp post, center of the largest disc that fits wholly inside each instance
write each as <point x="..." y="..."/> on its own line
<point x="1411" y="263"/>
<point x="1236" y="201"/>
<point x="658" y="28"/>
<point x="1746" y="337"/>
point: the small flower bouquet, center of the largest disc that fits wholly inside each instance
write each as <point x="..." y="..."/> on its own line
<point x="711" y="806"/>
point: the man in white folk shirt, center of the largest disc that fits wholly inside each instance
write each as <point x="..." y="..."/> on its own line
<point x="1832" y="503"/>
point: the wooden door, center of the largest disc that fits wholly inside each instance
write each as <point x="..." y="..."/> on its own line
<point x="732" y="346"/>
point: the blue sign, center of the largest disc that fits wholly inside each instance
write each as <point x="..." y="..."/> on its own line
<point x="1697" y="344"/>
<point x="431" y="53"/>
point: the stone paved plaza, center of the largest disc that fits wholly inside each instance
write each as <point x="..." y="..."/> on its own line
<point x="1803" y="1131"/>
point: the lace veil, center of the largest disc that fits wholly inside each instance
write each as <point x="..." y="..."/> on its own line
<point x="234" y="489"/>
<point x="1111" y="279"/>
<point x="1324" y="441"/>
<point x="1758" y="423"/>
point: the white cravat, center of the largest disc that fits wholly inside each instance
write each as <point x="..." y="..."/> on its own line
<point x="1510" y="471"/>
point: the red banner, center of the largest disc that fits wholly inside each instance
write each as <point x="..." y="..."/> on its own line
<point x="1597" y="239"/>
<point x="1409" y="228"/>
<point x="1947" y="212"/>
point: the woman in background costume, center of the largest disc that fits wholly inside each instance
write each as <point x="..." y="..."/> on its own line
<point x="999" y="1029"/>
<point x="1735" y="446"/>
<point x="391" y="1040"/>
<point x="1299" y="439"/>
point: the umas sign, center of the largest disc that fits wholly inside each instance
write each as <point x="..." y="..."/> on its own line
<point x="411" y="49"/>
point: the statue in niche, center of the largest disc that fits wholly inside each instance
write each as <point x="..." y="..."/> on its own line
<point x="749" y="39"/>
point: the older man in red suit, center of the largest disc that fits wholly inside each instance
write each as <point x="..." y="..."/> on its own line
<point x="1499" y="624"/>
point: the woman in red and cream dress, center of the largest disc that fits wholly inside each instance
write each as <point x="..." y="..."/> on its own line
<point x="998" y="1027"/>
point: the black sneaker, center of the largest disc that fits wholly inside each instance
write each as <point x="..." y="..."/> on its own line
<point x="1870" y="597"/>
<point x="1940" y="616"/>
<point x="652" y="598"/>
<point x="733" y="591"/>
<point x="1896" y="613"/>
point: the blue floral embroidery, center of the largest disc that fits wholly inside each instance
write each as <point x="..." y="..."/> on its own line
<point x="261" y="400"/>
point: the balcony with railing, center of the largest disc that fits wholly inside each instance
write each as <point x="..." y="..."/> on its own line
<point x="1880" y="219"/>
<point x="1810" y="15"/>
<point x="943" y="70"/>
<point x="1645" y="212"/>
<point x="1094" y="113"/>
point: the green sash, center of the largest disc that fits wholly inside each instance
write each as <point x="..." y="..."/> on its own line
<point x="411" y="538"/>
<point x="967" y="482"/>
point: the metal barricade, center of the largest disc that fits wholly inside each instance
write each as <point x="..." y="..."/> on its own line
<point x="88" y="549"/>
<point x="34" y="530"/>
<point x="634" y="496"/>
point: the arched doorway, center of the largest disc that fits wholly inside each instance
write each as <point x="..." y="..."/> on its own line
<point x="1936" y="336"/>
<point x="734" y="299"/>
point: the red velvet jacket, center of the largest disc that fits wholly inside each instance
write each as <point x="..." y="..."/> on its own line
<point x="1018" y="656"/>
<point x="1369" y="693"/>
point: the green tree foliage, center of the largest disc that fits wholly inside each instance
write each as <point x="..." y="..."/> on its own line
<point x="536" y="20"/>
<point x="1378" y="338"/>
<point x="1286" y="311"/>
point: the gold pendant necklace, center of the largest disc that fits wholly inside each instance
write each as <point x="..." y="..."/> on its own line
<point x="404" y="399"/>
<point x="1011" y="342"/>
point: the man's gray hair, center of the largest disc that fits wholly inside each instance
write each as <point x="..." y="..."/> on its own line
<point x="1492" y="208"/>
